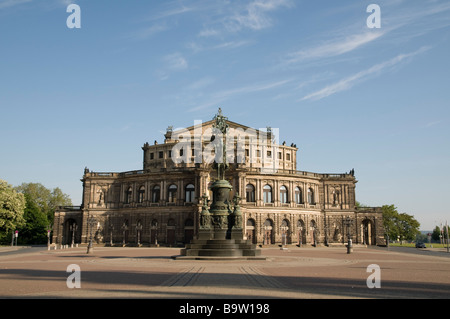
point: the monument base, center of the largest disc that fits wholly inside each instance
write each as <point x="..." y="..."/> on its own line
<point x="220" y="245"/>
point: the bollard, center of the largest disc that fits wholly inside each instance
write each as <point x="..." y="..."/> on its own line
<point x="349" y="247"/>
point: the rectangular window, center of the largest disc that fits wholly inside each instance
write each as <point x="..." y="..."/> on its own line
<point x="151" y="156"/>
<point x="288" y="156"/>
<point x="170" y="154"/>
<point x="161" y="154"/>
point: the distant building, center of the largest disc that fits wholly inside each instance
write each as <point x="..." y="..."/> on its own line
<point x="161" y="203"/>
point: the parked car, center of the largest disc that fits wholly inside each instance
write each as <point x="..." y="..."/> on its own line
<point x="420" y="245"/>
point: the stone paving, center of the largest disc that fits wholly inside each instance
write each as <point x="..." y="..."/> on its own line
<point x="318" y="273"/>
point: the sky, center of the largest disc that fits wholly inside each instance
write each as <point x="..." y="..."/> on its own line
<point x="348" y="94"/>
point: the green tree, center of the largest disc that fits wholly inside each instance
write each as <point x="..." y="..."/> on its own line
<point x="389" y="221"/>
<point x="402" y="226"/>
<point x="47" y="200"/>
<point x="35" y="229"/>
<point x="408" y="227"/>
<point x="41" y="203"/>
<point x="12" y="206"/>
<point x="436" y="233"/>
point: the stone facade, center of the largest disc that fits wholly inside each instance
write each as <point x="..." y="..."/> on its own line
<point x="161" y="204"/>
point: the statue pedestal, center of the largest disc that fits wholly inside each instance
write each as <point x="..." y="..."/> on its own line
<point x="220" y="235"/>
<point x="220" y="244"/>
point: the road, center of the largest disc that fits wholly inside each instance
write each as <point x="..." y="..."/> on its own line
<point x="439" y="252"/>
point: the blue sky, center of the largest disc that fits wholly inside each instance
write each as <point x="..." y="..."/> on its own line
<point x="372" y="99"/>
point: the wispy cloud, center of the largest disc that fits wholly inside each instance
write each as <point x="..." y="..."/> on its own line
<point x="350" y="81"/>
<point x="218" y="97"/>
<point x="255" y="16"/>
<point x="175" y="61"/>
<point x="200" y="84"/>
<point x="233" y="17"/>
<point x="148" y="32"/>
<point x="195" y="47"/>
<point x="333" y="47"/>
<point x="171" y="12"/>
<point x="251" y="88"/>
<point x="11" y="3"/>
<point x="208" y="32"/>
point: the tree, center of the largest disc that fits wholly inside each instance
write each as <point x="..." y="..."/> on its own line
<point x="408" y="226"/>
<point x="402" y="226"/>
<point x="436" y="234"/>
<point x="12" y="206"/>
<point x="389" y="221"/>
<point x="35" y="229"/>
<point x="47" y="200"/>
<point x="41" y="203"/>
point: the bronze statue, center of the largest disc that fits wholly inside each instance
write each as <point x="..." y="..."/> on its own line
<point x="222" y="126"/>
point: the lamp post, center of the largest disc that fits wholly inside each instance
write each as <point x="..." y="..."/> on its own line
<point x="138" y="233"/>
<point x="111" y="229"/>
<point x="266" y="237"/>
<point x="348" y="222"/>
<point x="91" y="223"/>
<point x="124" y="229"/>
<point x="300" y="241"/>
<point x="387" y="236"/>
<point x="49" y="230"/>
<point x="73" y="228"/>
<point x="446" y="228"/>
<point x="284" y="229"/>
<point x="156" y="234"/>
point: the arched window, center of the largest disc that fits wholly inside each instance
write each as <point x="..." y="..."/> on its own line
<point x="190" y="193"/>
<point x="171" y="222"/>
<point x="311" y="196"/>
<point x="298" y="195"/>
<point x="156" y="194"/>
<point x="172" y="194"/>
<point x="128" y="195"/>
<point x="283" y="194"/>
<point x="250" y="191"/>
<point x="267" y="194"/>
<point x="141" y="194"/>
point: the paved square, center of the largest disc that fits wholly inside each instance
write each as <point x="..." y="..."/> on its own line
<point x="323" y="272"/>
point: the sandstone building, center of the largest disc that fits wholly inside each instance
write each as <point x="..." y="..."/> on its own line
<point x="160" y="204"/>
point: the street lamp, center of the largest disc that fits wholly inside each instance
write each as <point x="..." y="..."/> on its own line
<point x="73" y="228"/>
<point x="284" y="228"/>
<point x="387" y="236"/>
<point x="300" y="241"/>
<point x="138" y="233"/>
<point x="111" y="229"/>
<point x="124" y="229"/>
<point x="91" y="223"/>
<point x="348" y="222"/>
<point x="49" y="230"/>
<point x="325" y="228"/>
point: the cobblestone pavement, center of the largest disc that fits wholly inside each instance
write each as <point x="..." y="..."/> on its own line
<point x="319" y="273"/>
